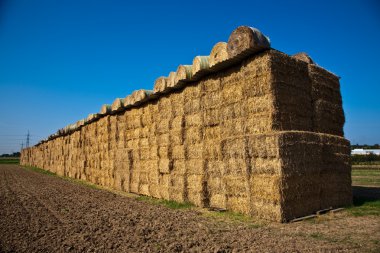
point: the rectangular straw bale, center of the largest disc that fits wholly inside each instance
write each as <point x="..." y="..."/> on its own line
<point x="193" y="135"/>
<point x="165" y="165"/>
<point x="177" y="181"/>
<point x="192" y="105"/>
<point x="132" y="143"/>
<point x="179" y="166"/>
<point x="232" y="94"/>
<point x="144" y="132"/>
<point x="233" y="111"/>
<point x="193" y="120"/>
<point x="263" y="145"/>
<point x="215" y="168"/>
<point x="266" y="210"/>
<point x="238" y="204"/>
<point x="146" y="116"/>
<point x="266" y="187"/>
<point x="212" y="117"/>
<point x="143" y="176"/>
<point x="212" y="132"/>
<point x="211" y="83"/>
<point x="325" y="85"/>
<point x="234" y="127"/>
<point x="165" y="108"/>
<point x="328" y="117"/>
<point x="257" y="65"/>
<point x="211" y="99"/>
<point x="212" y="149"/>
<point x="164" y="186"/>
<point x="218" y="200"/>
<point x="144" y="189"/>
<point x="164" y="152"/>
<point x="266" y="166"/>
<point x="256" y="86"/>
<point x="235" y="166"/>
<point x="155" y="190"/>
<point x="235" y="185"/>
<point x="233" y="148"/>
<point x="163" y="126"/>
<point x="143" y="142"/>
<point x="144" y="153"/>
<point x="177" y="103"/>
<point x="230" y="78"/>
<point x="192" y="92"/>
<point x="178" y="152"/>
<point x="176" y="136"/>
<point x="194" y="151"/>
<point x="288" y="70"/>
<point x="195" y="166"/>
<point x="163" y="139"/>
<point x="195" y="182"/>
<point x="154" y="173"/>
<point x="177" y="194"/>
<point x="196" y="197"/>
<point x="177" y="122"/>
<point x="215" y="184"/>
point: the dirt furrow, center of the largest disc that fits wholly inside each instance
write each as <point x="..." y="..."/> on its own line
<point x="40" y="213"/>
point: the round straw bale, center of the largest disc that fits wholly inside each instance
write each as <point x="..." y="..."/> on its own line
<point x="218" y="53"/>
<point x="117" y="104"/>
<point x="105" y="109"/>
<point x="303" y="57"/>
<point x="128" y="101"/>
<point x="139" y="95"/>
<point x="246" y="38"/>
<point x="200" y="63"/>
<point x="80" y="123"/>
<point x="171" y="79"/>
<point x="184" y="72"/>
<point x="91" y="117"/>
<point x="160" y="84"/>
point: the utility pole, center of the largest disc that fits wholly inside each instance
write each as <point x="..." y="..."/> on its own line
<point x="22" y="146"/>
<point x="27" y="139"/>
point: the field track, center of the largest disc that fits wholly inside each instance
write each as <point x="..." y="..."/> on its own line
<point x="42" y="213"/>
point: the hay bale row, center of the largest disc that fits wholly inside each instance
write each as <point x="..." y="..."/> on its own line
<point x="228" y="141"/>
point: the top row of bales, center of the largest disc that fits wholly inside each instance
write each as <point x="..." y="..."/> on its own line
<point x="243" y="42"/>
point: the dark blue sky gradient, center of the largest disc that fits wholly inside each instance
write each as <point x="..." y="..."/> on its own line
<point x="61" y="60"/>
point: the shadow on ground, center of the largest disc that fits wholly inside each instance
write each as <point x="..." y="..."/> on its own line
<point x="364" y="194"/>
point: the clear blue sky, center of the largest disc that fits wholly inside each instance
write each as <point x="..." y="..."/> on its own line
<point x="61" y="60"/>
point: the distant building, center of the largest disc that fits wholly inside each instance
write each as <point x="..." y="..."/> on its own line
<point x="361" y="151"/>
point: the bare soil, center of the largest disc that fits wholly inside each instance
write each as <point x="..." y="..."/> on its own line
<point x="42" y="213"/>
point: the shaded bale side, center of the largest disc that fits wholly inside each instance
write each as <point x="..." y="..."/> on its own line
<point x="292" y="92"/>
<point x="306" y="186"/>
<point x="327" y="101"/>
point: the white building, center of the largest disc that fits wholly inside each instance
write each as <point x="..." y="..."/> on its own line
<point x="361" y="151"/>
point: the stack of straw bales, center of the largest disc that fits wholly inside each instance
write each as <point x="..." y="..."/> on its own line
<point x="247" y="128"/>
